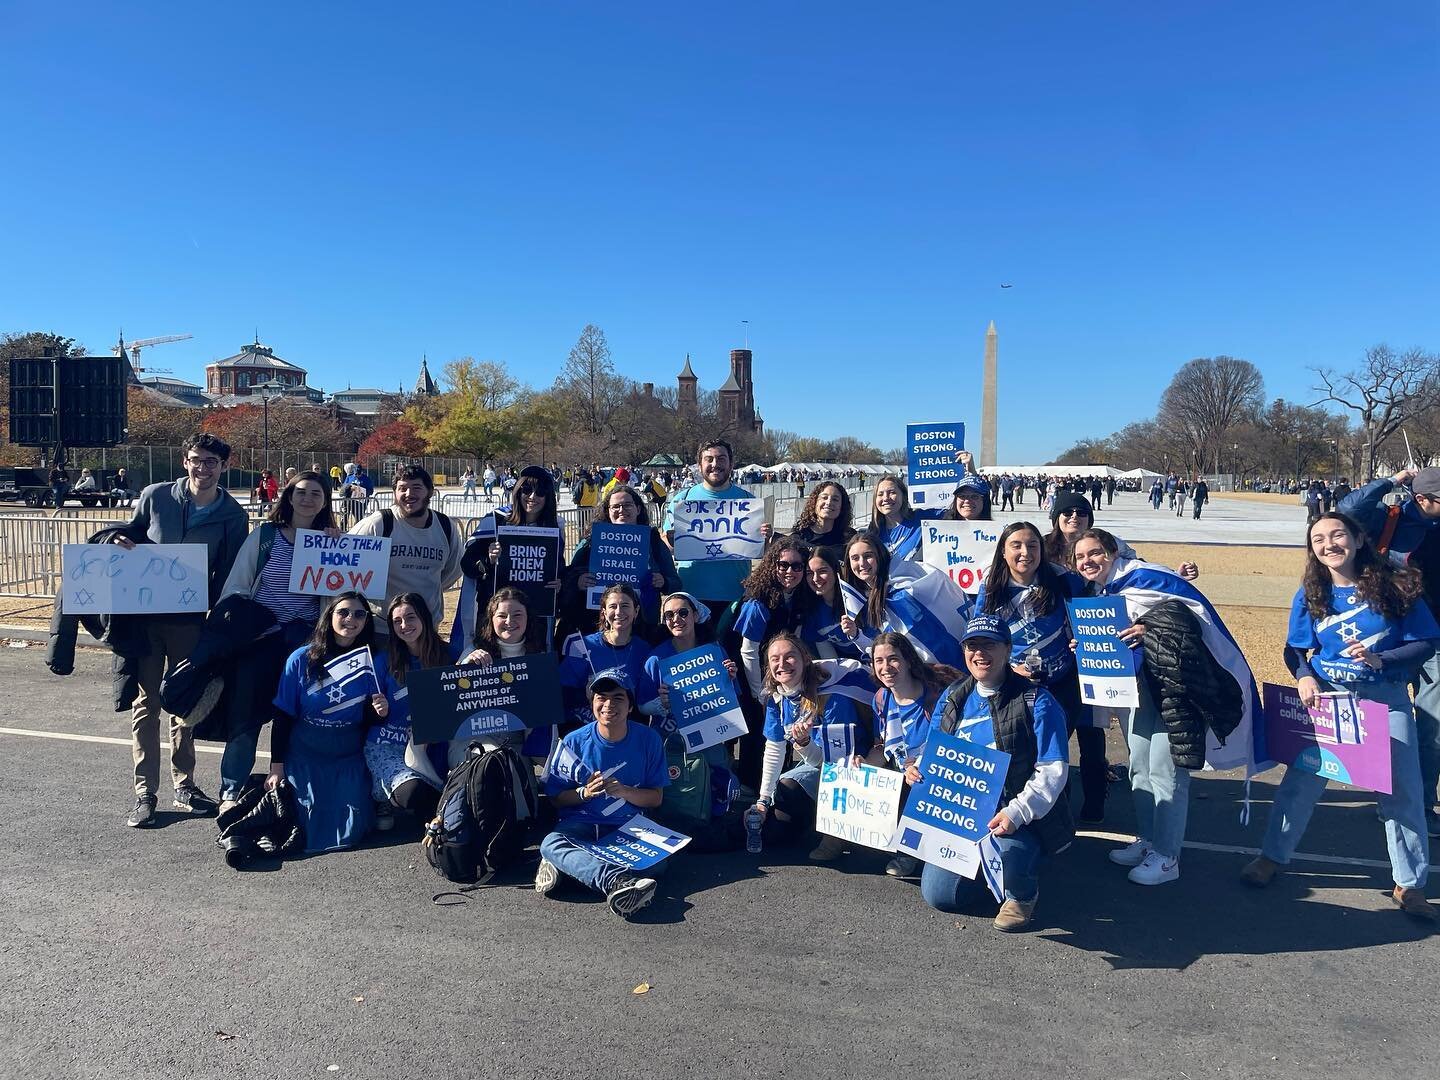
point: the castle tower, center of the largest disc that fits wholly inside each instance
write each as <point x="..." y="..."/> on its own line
<point x="425" y="385"/>
<point x="732" y="398"/>
<point x="987" y="401"/>
<point x="688" y="396"/>
<point x="740" y="371"/>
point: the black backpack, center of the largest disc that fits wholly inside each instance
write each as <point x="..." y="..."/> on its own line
<point x="484" y="818"/>
<point x="387" y="524"/>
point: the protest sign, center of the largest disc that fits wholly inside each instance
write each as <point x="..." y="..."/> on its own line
<point x="930" y="460"/>
<point x="963" y="549"/>
<point x="707" y="530"/>
<point x="617" y="553"/>
<point x="529" y="560"/>
<point x="472" y="702"/>
<point x="637" y="845"/>
<point x="861" y="805"/>
<point x="328" y="565"/>
<point x="1341" y="738"/>
<point x="1105" y="663"/>
<point x="702" y="698"/>
<point x="950" y="809"/>
<point x="148" y="579"/>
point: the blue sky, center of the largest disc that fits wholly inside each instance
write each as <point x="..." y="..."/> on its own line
<point x="369" y="182"/>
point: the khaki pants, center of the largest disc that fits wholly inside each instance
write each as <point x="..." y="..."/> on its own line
<point x="170" y="642"/>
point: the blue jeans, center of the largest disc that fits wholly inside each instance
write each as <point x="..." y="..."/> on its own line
<point x="559" y="847"/>
<point x="1427" y="728"/>
<point x="1160" y="790"/>
<point x="806" y="777"/>
<point x="945" y="890"/>
<point x="1403" y="811"/>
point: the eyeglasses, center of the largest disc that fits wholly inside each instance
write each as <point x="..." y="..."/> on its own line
<point x="968" y="496"/>
<point x="791" y="567"/>
<point x="676" y="616"/>
<point x="350" y="613"/>
<point x="203" y="462"/>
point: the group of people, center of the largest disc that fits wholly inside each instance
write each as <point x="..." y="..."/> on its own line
<point x="1176" y="489"/>
<point x="843" y="647"/>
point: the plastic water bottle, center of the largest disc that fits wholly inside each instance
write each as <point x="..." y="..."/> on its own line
<point x="1034" y="662"/>
<point x="754" y="821"/>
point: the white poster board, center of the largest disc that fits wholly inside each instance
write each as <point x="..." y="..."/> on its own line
<point x="861" y="805"/>
<point x="148" y="579"/>
<point x="707" y="530"/>
<point x="963" y="549"/>
<point x="329" y="565"/>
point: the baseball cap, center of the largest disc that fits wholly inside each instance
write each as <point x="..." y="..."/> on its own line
<point x="1427" y="481"/>
<point x="972" y="483"/>
<point x="608" y="679"/>
<point x="989" y="627"/>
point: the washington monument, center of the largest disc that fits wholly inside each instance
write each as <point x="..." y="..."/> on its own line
<point x="987" y="402"/>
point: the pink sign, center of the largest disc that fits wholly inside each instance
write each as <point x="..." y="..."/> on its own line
<point x="1342" y="738"/>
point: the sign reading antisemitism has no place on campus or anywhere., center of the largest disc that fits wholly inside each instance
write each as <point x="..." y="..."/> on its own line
<point x="472" y="702"/>
<point x="931" y="464"/>
<point x="148" y="579"/>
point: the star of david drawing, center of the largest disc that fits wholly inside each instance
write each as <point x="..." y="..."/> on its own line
<point x="1029" y="635"/>
<point x="336" y="694"/>
<point x="187" y="596"/>
<point x="994" y="864"/>
<point x="84" y="596"/>
<point x="1349" y="632"/>
<point x="714" y="550"/>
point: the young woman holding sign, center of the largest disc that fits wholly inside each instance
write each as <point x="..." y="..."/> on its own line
<point x="1029" y="593"/>
<point x="262" y="572"/>
<point x="318" y="726"/>
<point x="621" y="505"/>
<point x="1197" y="698"/>
<point x="1358" y="625"/>
<point x="910" y="692"/>
<point x="401" y="776"/>
<point x="687" y="626"/>
<point x="822" y="728"/>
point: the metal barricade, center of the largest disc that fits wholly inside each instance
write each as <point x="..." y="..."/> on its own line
<point x="30" y="546"/>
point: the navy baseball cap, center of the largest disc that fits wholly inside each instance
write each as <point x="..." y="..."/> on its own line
<point x="989" y="627"/>
<point x="615" y="678"/>
<point x="972" y="483"/>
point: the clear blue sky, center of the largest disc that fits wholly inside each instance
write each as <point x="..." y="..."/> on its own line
<point x="368" y="182"/>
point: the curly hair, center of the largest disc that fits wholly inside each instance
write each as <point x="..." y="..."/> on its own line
<point x="1387" y="589"/>
<point x="810" y="517"/>
<point x="1047" y="585"/>
<point x="934" y="677"/>
<point x="485" y="633"/>
<point x="763" y="584"/>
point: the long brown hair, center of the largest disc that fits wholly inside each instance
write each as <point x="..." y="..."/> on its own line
<point x="602" y="508"/>
<point x="933" y="677"/>
<point x="432" y="649"/>
<point x="1387" y="589"/>
<point x="1046" y="591"/>
<point x="877" y="519"/>
<point x="874" y="597"/>
<point x="323" y="644"/>
<point x="763" y="584"/>
<point x="810" y="516"/>
<point x="284" y="509"/>
<point x="485" y="633"/>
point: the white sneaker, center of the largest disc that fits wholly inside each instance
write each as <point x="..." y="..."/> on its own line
<point x="1155" y="870"/>
<point x="547" y="876"/>
<point x="1131" y="854"/>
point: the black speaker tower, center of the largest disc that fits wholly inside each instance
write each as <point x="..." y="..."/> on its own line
<point x="68" y="401"/>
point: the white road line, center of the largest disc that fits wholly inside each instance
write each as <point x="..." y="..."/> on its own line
<point x="1232" y="849"/>
<point x="200" y="748"/>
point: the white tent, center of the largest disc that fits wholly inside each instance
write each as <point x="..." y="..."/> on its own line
<point x="827" y="466"/>
<point x="1143" y="475"/>
<point x="1052" y="470"/>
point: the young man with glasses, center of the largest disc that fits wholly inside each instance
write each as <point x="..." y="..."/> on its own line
<point x="194" y="509"/>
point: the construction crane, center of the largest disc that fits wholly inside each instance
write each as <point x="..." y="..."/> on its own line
<point x="135" y="346"/>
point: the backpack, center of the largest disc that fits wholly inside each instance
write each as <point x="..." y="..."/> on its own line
<point x="387" y="524"/>
<point x="483" y="820"/>
<point x="689" y="799"/>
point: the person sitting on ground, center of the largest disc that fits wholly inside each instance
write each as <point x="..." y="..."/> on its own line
<point x="600" y="777"/>
<point x="998" y="708"/>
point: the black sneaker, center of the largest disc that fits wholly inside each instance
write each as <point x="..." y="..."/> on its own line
<point x="192" y="800"/>
<point x="1092" y="813"/>
<point x="630" y="894"/>
<point x="143" y="816"/>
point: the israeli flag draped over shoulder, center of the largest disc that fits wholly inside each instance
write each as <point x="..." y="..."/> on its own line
<point x="1142" y="586"/>
<point x="922" y="603"/>
<point x="848" y="678"/>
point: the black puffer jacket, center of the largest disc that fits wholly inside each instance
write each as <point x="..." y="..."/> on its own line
<point x="1192" y="691"/>
<point x="261" y="823"/>
<point x="215" y="686"/>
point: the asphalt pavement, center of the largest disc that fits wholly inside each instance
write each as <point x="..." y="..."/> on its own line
<point x="128" y="953"/>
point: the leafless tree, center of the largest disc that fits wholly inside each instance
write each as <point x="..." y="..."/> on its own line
<point x="1385" y="392"/>
<point x="589" y="380"/>
<point x="1205" y="399"/>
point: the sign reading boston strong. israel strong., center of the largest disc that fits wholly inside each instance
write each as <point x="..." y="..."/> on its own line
<point x="934" y="472"/>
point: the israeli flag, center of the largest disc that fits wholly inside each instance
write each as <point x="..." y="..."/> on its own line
<point x="993" y="867"/>
<point x="343" y="672"/>
<point x="922" y="603"/>
<point x="848" y="678"/>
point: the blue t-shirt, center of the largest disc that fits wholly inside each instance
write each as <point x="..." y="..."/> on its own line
<point x="584" y="657"/>
<point x="637" y="760"/>
<point x="326" y="702"/>
<point x="905" y="728"/>
<point x="823" y="625"/>
<point x="1049" y="634"/>
<point x="717" y="579"/>
<point x="840" y="732"/>
<point x="1351" y="620"/>
<point x="1052" y="742"/>
<point x="903" y="540"/>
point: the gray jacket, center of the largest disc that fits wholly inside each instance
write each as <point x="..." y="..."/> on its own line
<point x="162" y="516"/>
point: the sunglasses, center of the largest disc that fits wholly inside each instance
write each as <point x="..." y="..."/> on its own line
<point x="792" y="567"/>
<point x="1076" y="512"/>
<point x="350" y="613"/>
<point x="676" y="616"/>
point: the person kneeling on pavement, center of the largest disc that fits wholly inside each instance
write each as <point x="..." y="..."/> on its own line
<point x="995" y="706"/>
<point x="598" y="779"/>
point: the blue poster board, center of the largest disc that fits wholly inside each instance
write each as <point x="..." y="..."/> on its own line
<point x="949" y="811"/>
<point x="1106" y="664"/>
<point x="637" y="845"/>
<point x="930" y="459"/>
<point x="618" y="553"/>
<point x="702" y="698"/>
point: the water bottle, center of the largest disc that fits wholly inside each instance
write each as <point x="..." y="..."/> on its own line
<point x="754" y="821"/>
<point x="1033" y="661"/>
